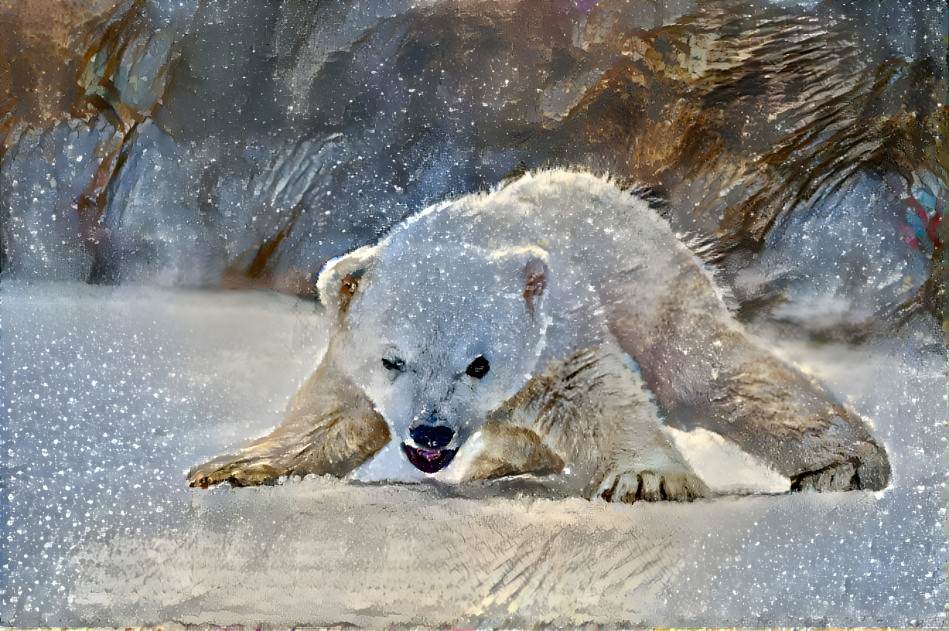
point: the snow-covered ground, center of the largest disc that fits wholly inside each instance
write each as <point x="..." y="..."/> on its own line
<point x="111" y="394"/>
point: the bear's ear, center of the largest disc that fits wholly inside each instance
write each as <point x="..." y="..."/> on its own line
<point x="535" y="281"/>
<point x="531" y="273"/>
<point x="340" y="278"/>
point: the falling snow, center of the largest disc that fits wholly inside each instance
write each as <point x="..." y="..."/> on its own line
<point x="243" y="145"/>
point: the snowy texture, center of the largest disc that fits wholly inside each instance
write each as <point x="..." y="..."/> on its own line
<point x="190" y="143"/>
<point x="111" y="394"/>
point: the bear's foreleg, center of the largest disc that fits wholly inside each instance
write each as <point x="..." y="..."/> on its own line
<point x="331" y="428"/>
<point x="501" y="449"/>
<point x="591" y="411"/>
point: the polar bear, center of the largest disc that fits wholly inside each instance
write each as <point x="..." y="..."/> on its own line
<point x="551" y="327"/>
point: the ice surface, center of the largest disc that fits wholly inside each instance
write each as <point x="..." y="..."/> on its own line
<point x="109" y="397"/>
<point x="111" y="394"/>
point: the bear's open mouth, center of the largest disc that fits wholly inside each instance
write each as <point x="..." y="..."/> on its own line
<point x="428" y="460"/>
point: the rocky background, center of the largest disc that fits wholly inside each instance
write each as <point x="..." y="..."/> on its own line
<point x="244" y="143"/>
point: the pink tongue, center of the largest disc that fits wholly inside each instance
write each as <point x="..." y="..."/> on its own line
<point x="428" y="454"/>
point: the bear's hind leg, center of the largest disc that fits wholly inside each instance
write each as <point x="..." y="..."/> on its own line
<point x="773" y="411"/>
<point x="707" y="371"/>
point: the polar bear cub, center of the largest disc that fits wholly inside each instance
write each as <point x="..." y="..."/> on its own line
<point x="499" y="335"/>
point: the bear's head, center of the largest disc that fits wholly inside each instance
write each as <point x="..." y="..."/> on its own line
<point x="436" y="339"/>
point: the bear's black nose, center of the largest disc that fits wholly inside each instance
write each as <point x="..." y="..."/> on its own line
<point x="431" y="436"/>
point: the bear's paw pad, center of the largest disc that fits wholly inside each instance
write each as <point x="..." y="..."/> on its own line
<point x="650" y="486"/>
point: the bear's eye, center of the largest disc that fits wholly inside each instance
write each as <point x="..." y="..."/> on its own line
<point x="478" y="368"/>
<point x="393" y="363"/>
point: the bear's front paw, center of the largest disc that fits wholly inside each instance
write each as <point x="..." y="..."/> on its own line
<point x="651" y="486"/>
<point x="235" y="474"/>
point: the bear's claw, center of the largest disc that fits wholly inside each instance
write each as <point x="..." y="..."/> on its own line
<point x="871" y="473"/>
<point x="649" y="486"/>
<point x="235" y="474"/>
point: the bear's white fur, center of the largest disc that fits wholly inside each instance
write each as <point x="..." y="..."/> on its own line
<point x="491" y="336"/>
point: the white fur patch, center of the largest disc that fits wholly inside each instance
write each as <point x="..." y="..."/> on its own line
<point x="724" y="467"/>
